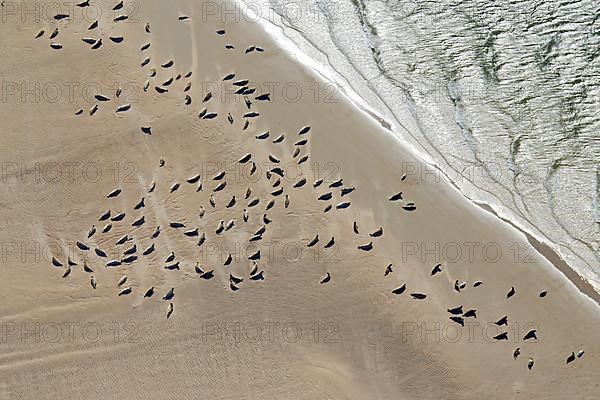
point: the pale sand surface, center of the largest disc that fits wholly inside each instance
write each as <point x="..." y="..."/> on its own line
<point x="350" y="338"/>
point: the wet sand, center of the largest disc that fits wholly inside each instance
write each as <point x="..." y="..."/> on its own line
<point x="550" y="255"/>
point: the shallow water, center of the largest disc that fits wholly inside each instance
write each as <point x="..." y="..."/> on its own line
<point x="503" y="96"/>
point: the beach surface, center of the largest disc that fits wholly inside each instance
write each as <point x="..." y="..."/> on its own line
<point x="295" y="334"/>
